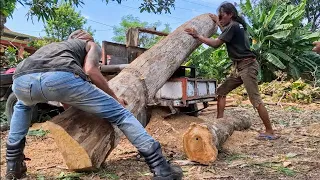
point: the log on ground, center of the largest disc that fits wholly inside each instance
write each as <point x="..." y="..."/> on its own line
<point x="137" y="84"/>
<point x="201" y="142"/>
<point x="169" y="131"/>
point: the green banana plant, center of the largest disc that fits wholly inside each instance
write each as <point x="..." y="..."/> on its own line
<point x="279" y="39"/>
<point x="210" y="62"/>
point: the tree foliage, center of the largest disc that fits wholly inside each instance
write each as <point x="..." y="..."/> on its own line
<point x="279" y="40"/>
<point x="312" y="13"/>
<point x="210" y="63"/>
<point x="312" y="9"/>
<point x="45" y="9"/>
<point x="7" y="7"/>
<point x="66" y="20"/>
<point x="10" y="58"/>
<point x="154" y="6"/>
<point x="42" y="9"/>
<point x="146" y="40"/>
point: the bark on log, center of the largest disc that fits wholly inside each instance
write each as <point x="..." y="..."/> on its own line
<point x="202" y="141"/>
<point x="3" y="20"/>
<point x="137" y="84"/>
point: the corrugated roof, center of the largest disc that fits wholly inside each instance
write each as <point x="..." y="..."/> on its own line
<point x="9" y="32"/>
<point x="14" y="40"/>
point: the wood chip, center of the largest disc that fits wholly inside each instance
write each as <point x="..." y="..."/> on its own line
<point x="185" y="162"/>
<point x="41" y="168"/>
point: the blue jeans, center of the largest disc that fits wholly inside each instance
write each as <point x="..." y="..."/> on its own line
<point x="69" y="88"/>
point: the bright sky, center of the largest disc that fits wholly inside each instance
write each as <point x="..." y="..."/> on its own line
<point x="102" y="17"/>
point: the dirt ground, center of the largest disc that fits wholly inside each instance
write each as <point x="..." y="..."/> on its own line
<point x="295" y="155"/>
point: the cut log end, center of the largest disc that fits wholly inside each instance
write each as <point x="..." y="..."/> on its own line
<point x="198" y="144"/>
<point x="75" y="156"/>
<point x="84" y="140"/>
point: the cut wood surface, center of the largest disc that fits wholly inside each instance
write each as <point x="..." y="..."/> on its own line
<point x="86" y="146"/>
<point x="82" y="144"/>
<point x="169" y="131"/>
<point x="202" y="141"/>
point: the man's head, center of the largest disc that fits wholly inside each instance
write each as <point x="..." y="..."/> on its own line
<point x="81" y="34"/>
<point x="227" y="12"/>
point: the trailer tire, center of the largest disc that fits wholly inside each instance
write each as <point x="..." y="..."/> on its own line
<point x="191" y="110"/>
<point x="144" y="116"/>
<point x="11" y="101"/>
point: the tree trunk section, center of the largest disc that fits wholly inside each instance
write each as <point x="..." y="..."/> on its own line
<point x="202" y="141"/>
<point x="170" y="131"/>
<point x="137" y="84"/>
<point x="3" y="20"/>
<point x="82" y="144"/>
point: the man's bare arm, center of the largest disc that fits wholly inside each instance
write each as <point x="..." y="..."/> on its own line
<point x="91" y="68"/>
<point x="215" y="43"/>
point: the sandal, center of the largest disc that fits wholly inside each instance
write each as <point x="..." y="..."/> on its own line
<point x="267" y="137"/>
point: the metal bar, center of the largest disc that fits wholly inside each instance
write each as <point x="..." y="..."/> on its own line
<point x="196" y="91"/>
<point x="113" y="68"/>
<point x="200" y="97"/>
<point x="184" y="90"/>
<point x="192" y="79"/>
<point x="159" y="33"/>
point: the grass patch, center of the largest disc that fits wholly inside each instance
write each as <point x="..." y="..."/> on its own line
<point x="233" y="157"/>
<point x="286" y="171"/>
<point x="293" y="109"/>
<point x="277" y="167"/>
<point x="109" y="175"/>
<point x="284" y="123"/>
<point x="40" y="177"/>
<point x="106" y="174"/>
<point x="69" y="176"/>
<point x="38" y="132"/>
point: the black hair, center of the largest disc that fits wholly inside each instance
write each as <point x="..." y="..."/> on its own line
<point x="229" y="8"/>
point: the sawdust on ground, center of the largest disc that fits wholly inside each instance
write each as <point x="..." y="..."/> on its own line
<point x="295" y="155"/>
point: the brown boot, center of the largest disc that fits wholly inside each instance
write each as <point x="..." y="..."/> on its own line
<point x="159" y="166"/>
<point x="16" y="167"/>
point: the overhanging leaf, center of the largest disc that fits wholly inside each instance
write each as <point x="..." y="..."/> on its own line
<point x="270" y="15"/>
<point x="281" y="55"/>
<point x="262" y="15"/>
<point x="248" y="7"/>
<point x="310" y="37"/>
<point x="282" y="27"/>
<point x="274" y="60"/>
<point x="294" y="71"/>
<point x="279" y="35"/>
<point x="309" y="62"/>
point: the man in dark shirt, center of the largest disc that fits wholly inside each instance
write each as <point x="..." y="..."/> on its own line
<point x="237" y="42"/>
<point x="246" y="67"/>
<point x="62" y="72"/>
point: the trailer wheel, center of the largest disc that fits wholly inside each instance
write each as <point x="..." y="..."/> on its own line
<point x="191" y="110"/>
<point x="11" y="101"/>
<point x="144" y="116"/>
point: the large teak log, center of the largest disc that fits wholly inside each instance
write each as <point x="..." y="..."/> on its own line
<point x="202" y="141"/>
<point x="137" y="84"/>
